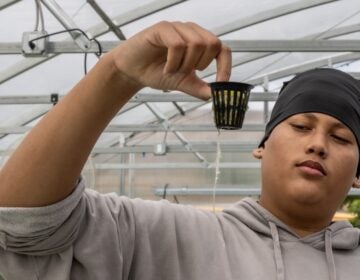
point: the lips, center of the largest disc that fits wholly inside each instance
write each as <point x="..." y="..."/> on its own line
<point x="313" y="165"/>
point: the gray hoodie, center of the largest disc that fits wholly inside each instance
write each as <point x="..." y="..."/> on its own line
<point x="93" y="236"/>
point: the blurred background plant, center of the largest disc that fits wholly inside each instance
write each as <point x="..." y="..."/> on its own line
<point x="352" y="205"/>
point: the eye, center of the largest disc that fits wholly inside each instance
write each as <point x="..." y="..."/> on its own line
<point x="340" y="139"/>
<point x="300" y="127"/>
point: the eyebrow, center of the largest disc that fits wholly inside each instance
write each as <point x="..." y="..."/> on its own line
<point x="336" y="124"/>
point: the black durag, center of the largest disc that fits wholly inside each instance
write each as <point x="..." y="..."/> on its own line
<point x="321" y="90"/>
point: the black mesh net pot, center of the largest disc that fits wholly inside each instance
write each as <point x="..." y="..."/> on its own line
<point x="230" y="100"/>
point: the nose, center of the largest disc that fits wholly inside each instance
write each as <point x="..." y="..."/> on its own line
<point x="317" y="145"/>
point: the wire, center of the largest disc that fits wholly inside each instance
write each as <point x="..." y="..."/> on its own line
<point x="98" y="53"/>
<point x="39" y="16"/>
<point x="85" y="63"/>
<point x="165" y="136"/>
<point x="36" y="28"/>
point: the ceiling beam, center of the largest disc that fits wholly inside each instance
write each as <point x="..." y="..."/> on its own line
<point x="203" y="147"/>
<point x="333" y="33"/>
<point x="138" y="98"/>
<point x="248" y="46"/>
<point x="6" y="3"/>
<point x="176" y="165"/>
<point x="268" y="15"/>
<point x="55" y="9"/>
<point x="221" y="190"/>
<point x="298" y="68"/>
<point x="116" y="30"/>
<point x="139" y="12"/>
<point x="147" y="128"/>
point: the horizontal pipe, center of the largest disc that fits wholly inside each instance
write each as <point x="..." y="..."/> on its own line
<point x="221" y="191"/>
<point x="235" y="45"/>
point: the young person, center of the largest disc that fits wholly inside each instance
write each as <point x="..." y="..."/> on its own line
<point x="52" y="228"/>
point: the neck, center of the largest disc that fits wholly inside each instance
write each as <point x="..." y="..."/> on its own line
<point x="302" y="231"/>
<point x="302" y="222"/>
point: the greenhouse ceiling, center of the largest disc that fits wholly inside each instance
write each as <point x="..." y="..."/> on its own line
<point x="270" y="40"/>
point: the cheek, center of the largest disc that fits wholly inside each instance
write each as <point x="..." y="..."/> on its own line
<point x="277" y="156"/>
<point x="347" y="163"/>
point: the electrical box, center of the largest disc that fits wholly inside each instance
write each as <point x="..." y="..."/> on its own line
<point x="160" y="149"/>
<point x="32" y="46"/>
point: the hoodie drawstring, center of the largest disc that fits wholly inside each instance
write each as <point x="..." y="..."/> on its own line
<point x="280" y="271"/>
<point x="329" y="254"/>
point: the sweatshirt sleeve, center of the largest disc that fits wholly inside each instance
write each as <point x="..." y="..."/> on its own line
<point x="42" y="230"/>
<point x="90" y="235"/>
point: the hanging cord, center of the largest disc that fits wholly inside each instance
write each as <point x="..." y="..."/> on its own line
<point x="36" y="28"/>
<point x="165" y="136"/>
<point x="176" y="200"/>
<point x="217" y="171"/>
<point x="280" y="269"/>
<point x="329" y="254"/>
<point x="98" y="53"/>
<point x="39" y="15"/>
<point x="165" y="191"/>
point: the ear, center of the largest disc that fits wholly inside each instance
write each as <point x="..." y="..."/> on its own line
<point x="356" y="183"/>
<point x="257" y="153"/>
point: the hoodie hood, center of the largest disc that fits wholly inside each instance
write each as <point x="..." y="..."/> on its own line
<point x="256" y="217"/>
<point x="337" y="236"/>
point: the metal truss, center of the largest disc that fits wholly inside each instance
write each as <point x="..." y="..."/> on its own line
<point x="177" y="165"/>
<point x="288" y="71"/>
<point x="127" y="17"/>
<point x="340" y="31"/>
<point x="156" y="6"/>
<point x="248" y="46"/>
<point x="138" y="98"/>
<point x="200" y="147"/>
<point x="117" y="31"/>
<point x="6" y="3"/>
<point x="269" y="15"/>
<point x="221" y="190"/>
<point x="280" y="11"/>
<point x="97" y="30"/>
<point x="160" y="127"/>
<point x="182" y="139"/>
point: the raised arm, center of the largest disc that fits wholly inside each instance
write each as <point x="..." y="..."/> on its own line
<point x="45" y="167"/>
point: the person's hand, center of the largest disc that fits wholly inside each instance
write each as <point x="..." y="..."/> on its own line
<point x="166" y="55"/>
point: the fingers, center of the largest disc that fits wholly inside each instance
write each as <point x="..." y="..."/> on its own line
<point x="214" y="48"/>
<point x="195" y="47"/>
<point x="175" y="44"/>
<point x="223" y="64"/>
<point x="191" y="47"/>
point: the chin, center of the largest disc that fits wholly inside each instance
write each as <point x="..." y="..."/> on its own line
<point x="307" y="195"/>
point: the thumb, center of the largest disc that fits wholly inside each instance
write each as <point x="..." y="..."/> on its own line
<point x="196" y="87"/>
